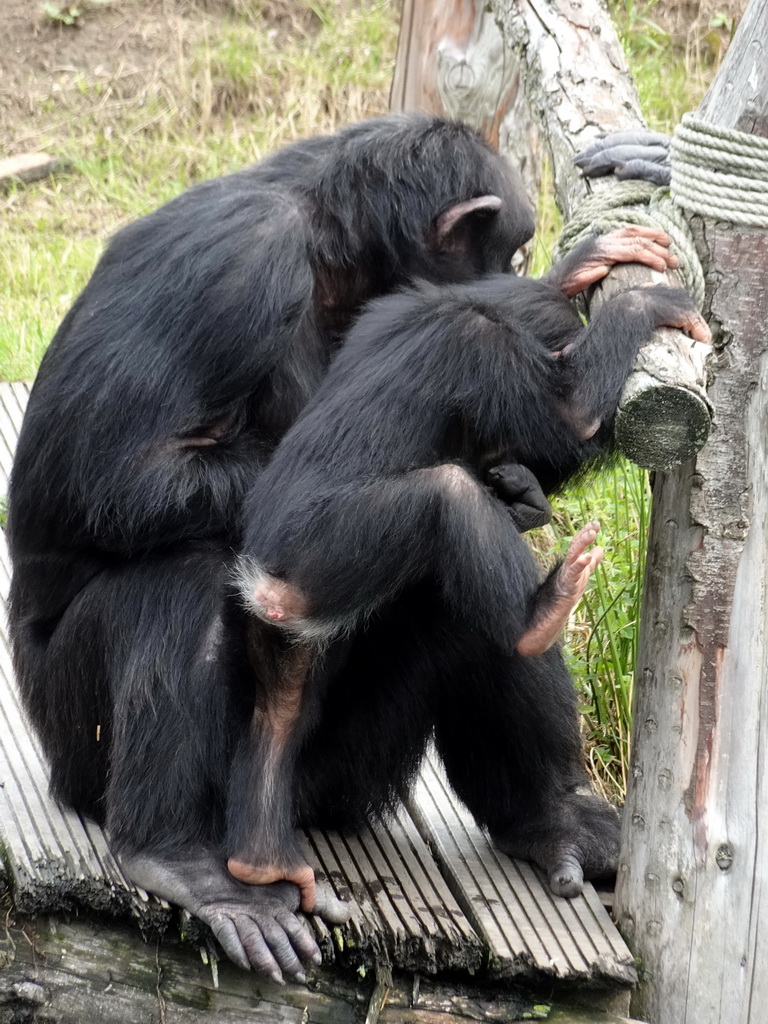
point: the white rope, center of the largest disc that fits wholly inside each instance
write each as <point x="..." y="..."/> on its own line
<point x="720" y="173"/>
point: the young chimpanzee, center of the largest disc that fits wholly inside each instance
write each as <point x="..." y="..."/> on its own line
<point x="204" y="331"/>
<point x="379" y="485"/>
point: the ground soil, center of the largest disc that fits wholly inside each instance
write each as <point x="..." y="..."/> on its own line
<point x="125" y="45"/>
<point x="129" y="43"/>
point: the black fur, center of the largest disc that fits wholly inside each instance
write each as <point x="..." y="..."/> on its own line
<point x="205" y="330"/>
<point x="378" y="485"/>
<point x="213" y="318"/>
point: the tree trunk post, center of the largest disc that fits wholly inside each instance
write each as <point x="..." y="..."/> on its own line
<point x="452" y="60"/>
<point x="692" y="895"/>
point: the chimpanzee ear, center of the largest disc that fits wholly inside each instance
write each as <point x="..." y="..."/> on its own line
<point x="453" y="225"/>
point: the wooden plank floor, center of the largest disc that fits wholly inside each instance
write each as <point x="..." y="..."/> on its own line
<point x="429" y="892"/>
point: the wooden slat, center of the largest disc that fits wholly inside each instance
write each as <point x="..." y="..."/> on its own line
<point x="402" y="906"/>
<point x="509" y="902"/>
<point x="9" y="429"/>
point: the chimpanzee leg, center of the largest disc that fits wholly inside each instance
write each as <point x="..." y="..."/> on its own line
<point x="261" y="843"/>
<point x="460" y="536"/>
<point x="62" y="670"/>
<point x="365" y="546"/>
<point x="509" y="738"/>
<point x="183" y="696"/>
<point x="138" y="672"/>
<point x="377" y="713"/>
<point x="356" y="716"/>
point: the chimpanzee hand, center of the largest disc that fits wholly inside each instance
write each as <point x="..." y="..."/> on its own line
<point x="667" y="307"/>
<point x="592" y="259"/>
<point x="630" y="154"/>
<point x="256" y="925"/>
<point x="519" y="489"/>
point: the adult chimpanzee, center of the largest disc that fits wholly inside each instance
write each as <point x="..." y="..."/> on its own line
<point x="203" y="332"/>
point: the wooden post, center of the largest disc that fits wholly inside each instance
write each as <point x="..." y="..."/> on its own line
<point x="452" y="60"/>
<point x="693" y="886"/>
<point x="692" y="897"/>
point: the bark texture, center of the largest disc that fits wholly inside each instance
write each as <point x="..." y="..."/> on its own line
<point x="453" y="60"/>
<point x="692" y="897"/>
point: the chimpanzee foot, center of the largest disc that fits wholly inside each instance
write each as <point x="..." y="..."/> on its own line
<point x="577" y="841"/>
<point x="256" y="925"/>
<point x="278" y="602"/>
<point x="252" y="874"/>
<point x="633" y="244"/>
<point x="567" y="590"/>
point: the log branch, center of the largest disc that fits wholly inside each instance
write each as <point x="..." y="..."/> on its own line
<point x="28" y="167"/>
<point x="578" y="84"/>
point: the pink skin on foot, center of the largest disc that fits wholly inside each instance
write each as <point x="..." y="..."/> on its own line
<point x="302" y="876"/>
<point x="572" y="580"/>
<point x="279" y="602"/>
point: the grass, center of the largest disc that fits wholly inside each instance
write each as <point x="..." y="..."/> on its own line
<point x="241" y="79"/>
<point x="602" y="647"/>
<point x="247" y="81"/>
<point x="671" y="72"/>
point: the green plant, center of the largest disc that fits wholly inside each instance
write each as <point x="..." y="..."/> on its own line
<point x="602" y="638"/>
<point x="70" y="14"/>
<point x="637" y="31"/>
<point x="64" y="14"/>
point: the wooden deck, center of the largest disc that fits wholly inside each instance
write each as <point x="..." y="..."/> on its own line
<point x="429" y="892"/>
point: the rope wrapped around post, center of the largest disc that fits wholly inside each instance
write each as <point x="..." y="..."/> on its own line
<point x="720" y="173"/>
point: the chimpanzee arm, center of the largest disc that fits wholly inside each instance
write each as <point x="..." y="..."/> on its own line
<point x="154" y="406"/>
<point x="555" y="380"/>
<point x="594" y="366"/>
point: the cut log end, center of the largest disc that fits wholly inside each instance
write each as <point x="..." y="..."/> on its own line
<point x="662" y="426"/>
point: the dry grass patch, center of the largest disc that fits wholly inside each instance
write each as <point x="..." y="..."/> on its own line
<point x="145" y="99"/>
